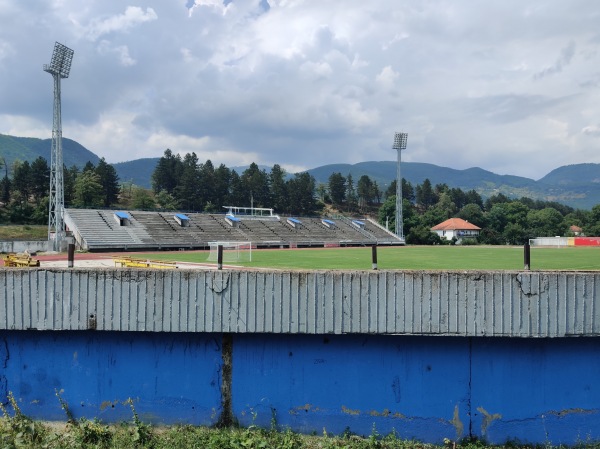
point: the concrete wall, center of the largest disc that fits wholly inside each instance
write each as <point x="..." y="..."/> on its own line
<point x="497" y="355"/>
<point x="528" y="304"/>
<point x="425" y="388"/>
<point x="15" y="246"/>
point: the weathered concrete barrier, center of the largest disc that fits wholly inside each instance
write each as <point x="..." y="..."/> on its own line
<point x="430" y="355"/>
<point x="16" y="246"/>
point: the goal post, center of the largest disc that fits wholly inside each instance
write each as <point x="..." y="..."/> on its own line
<point x="232" y="251"/>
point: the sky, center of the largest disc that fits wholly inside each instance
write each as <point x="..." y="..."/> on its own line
<point x="510" y="86"/>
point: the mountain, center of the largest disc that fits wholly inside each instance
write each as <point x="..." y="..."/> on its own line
<point x="30" y="148"/>
<point x="138" y="172"/>
<point x="576" y="185"/>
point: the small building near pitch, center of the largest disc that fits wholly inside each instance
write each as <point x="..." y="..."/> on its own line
<point x="456" y="227"/>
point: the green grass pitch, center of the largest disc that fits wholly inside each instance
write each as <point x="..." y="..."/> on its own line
<point x="409" y="258"/>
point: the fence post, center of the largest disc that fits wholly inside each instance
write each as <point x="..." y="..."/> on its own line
<point x="219" y="257"/>
<point x="71" y="255"/>
<point x="374" y="256"/>
<point x="527" y="256"/>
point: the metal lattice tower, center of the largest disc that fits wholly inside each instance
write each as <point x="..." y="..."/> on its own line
<point x="59" y="67"/>
<point x="400" y="140"/>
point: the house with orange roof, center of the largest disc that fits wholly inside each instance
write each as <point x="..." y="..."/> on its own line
<point x="456" y="227"/>
<point x="576" y="230"/>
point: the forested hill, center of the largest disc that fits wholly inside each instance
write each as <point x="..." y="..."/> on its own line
<point x="30" y="148"/>
<point x="575" y="185"/>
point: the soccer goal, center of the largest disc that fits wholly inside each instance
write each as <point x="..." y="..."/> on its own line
<point x="232" y="251"/>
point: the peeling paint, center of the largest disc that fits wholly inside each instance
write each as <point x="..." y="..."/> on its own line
<point x="572" y="411"/>
<point x="387" y="414"/>
<point x="487" y="419"/>
<point x="349" y="411"/>
<point x="457" y="423"/>
<point x="304" y="408"/>
<point x="108" y="404"/>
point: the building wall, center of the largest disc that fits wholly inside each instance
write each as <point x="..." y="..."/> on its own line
<point x="424" y="388"/>
<point x="431" y="355"/>
<point x="171" y="378"/>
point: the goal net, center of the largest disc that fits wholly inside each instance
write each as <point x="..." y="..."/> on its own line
<point x="232" y="251"/>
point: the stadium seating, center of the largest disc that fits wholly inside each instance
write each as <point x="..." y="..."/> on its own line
<point x="96" y="230"/>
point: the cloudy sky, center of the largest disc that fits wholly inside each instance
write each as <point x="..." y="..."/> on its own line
<point x="510" y="86"/>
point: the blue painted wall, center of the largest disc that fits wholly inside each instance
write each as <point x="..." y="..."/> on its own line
<point x="412" y="385"/>
<point x="536" y="390"/>
<point x="428" y="388"/>
<point x="171" y="377"/>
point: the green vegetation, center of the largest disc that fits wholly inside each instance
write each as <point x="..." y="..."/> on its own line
<point x="19" y="431"/>
<point x="411" y="258"/>
<point x="23" y="232"/>
<point x="186" y="184"/>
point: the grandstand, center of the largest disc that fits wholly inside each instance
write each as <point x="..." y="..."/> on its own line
<point x="108" y="230"/>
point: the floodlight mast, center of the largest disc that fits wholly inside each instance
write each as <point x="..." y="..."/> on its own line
<point x="400" y="140"/>
<point x="59" y="67"/>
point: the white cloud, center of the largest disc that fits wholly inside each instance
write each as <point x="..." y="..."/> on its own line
<point x="507" y="86"/>
<point x="121" y="51"/>
<point x="132" y="17"/>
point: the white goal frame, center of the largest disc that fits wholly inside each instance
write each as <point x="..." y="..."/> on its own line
<point x="232" y="251"/>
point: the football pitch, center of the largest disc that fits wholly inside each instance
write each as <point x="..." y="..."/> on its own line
<point x="408" y="258"/>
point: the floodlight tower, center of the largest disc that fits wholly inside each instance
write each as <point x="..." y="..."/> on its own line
<point x="400" y="140"/>
<point x="59" y="67"/>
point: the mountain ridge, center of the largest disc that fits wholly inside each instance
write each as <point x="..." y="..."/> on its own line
<point x="576" y="185"/>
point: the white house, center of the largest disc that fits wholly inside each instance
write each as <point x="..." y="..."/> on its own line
<point x="456" y="227"/>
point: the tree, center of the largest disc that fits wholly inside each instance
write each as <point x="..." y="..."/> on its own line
<point x="5" y="184"/>
<point x="237" y="195"/>
<point x="279" y="189"/>
<point x="206" y="179"/>
<point x="89" y="166"/>
<point x="39" y="178"/>
<point x="165" y="200"/>
<point x="422" y="235"/>
<point x="425" y="196"/>
<point x="386" y="216"/>
<point x="256" y="184"/>
<point x="547" y="222"/>
<point x="188" y="190"/>
<point x="337" y="189"/>
<point x="351" y="197"/>
<point x="88" y="190"/>
<point x="109" y="180"/>
<point x="69" y="178"/>
<point x="495" y="199"/>
<point x="408" y="191"/>
<point x="364" y="189"/>
<point x="167" y="172"/>
<point x="301" y="190"/>
<point x="221" y="186"/>
<point x="142" y="199"/>
<point x="322" y="193"/>
<point x="22" y="180"/>
<point x="472" y="213"/>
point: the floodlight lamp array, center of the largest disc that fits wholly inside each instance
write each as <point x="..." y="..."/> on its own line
<point x="61" y="61"/>
<point x="400" y="140"/>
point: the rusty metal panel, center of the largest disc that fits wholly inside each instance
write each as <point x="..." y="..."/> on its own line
<point x="508" y="304"/>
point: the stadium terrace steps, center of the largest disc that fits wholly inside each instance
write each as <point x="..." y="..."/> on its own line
<point x="98" y="230"/>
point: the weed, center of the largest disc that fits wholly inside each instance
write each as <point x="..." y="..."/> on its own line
<point x="18" y="430"/>
<point x="142" y="434"/>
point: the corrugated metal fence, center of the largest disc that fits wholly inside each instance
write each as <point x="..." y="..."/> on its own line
<point x="508" y="304"/>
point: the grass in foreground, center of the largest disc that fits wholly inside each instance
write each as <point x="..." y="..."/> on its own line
<point x="410" y="258"/>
